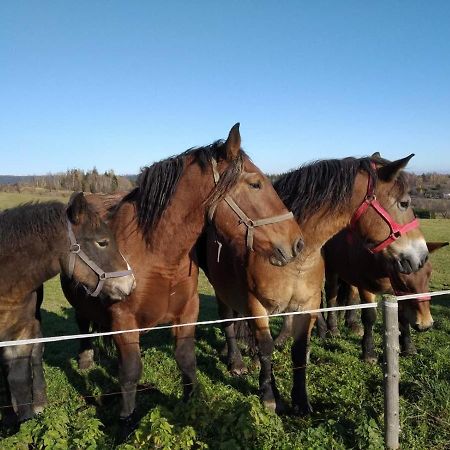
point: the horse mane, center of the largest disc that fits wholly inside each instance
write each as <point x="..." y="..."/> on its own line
<point x="157" y="183"/>
<point x="36" y="220"/>
<point x="327" y="184"/>
<point x="30" y="220"/>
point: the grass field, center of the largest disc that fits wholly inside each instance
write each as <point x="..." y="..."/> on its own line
<point x="225" y="413"/>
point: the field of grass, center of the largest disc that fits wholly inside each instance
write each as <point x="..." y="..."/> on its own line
<point x="225" y="413"/>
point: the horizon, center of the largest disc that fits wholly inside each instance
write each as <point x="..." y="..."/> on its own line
<point x="100" y="84"/>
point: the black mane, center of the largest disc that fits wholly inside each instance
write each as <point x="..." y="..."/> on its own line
<point x="328" y="183"/>
<point x="30" y="220"/>
<point x="157" y="183"/>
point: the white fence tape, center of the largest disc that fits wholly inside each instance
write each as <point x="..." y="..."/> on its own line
<point x="207" y="322"/>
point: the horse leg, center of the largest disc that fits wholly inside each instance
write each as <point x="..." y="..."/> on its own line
<point x="39" y="385"/>
<point x="285" y="333"/>
<point x="369" y="316"/>
<point x="331" y="293"/>
<point x="235" y="363"/>
<point x="351" y="316"/>
<point x="302" y="326"/>
<point x="86" y="351"/>
<point x="321" y="326"/>
<point x="185" y="347"/>
<point x="17" y="362"/>
<point x="9" y="417"/>
<point x="130" y="370"/>
<point x="40" y="400"/>
<point x="407" y="347"/>
<point x="268" y="392"/>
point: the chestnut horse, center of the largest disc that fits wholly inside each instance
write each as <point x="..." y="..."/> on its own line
<point x="325" y="197"/>
<point x="352" y="270"/>
<point x="38" y="241"/>
<point x="157" y="226"/>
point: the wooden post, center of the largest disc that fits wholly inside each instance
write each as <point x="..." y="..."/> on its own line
<point x="391" y="372"/>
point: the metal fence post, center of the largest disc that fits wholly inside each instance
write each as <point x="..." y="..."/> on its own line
<point x="391" y="372"/>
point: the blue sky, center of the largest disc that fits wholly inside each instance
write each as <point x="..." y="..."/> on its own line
<point x="122" y="84"/>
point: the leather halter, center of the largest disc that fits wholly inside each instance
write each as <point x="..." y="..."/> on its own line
<point x="370" y="200"/>
<point x="75" y="250"/>
<point x="243" y="218"/>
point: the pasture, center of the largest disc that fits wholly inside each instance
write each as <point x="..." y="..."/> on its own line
<point x="225" y="412"/>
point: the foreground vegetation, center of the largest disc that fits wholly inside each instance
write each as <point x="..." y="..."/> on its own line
<point x="225" y="413"/>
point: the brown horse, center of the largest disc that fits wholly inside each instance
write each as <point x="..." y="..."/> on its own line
<point x="325" y="197"/>
<point x="369" y="275"/>
<point x="352" y="270"/>
<point x="157" y="226"/>
<point x="37" y="241"/>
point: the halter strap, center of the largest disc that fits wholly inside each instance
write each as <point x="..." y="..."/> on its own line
<point x="243" y="218"/>
<point x="370" y="200"/>
<point x="75" y="250"/>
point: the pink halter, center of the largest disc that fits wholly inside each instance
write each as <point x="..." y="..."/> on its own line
<point x="370" y="200"/>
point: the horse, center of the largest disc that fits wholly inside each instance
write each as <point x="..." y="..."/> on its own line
<point x="351" y="269"/>
<point x="371" y="195"/>
<point x="9" y="417"/>
<point x="157" y="225"/>
<point x="38" y="241"/>
<point x="367" y="273"/>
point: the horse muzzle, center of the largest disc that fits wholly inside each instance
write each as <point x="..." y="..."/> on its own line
<point x="284" y="255"/>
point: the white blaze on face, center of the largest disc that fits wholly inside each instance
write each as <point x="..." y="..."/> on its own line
<point x="414" y="250"/>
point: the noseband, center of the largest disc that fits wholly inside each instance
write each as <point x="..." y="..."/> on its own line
<point x="243" y="218"/>
<point x="75" y="250"/>
<point x="370" y="200"/>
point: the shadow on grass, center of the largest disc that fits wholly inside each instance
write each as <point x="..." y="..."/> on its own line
<point x="102" y="378"/>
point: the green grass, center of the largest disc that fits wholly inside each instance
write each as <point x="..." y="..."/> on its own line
<point x="225" y="413"/>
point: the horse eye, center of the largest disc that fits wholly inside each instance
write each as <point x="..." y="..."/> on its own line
<point x="256" y="185"/>
<point x="103" y="243"/>
<point x="404" y="204"/>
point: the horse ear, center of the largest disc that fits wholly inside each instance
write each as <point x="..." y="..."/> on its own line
<point x="433" y="246"/>
<point x="233" y="143"/>
<point x="76" y="208"/>
<point x="390" y="171"/>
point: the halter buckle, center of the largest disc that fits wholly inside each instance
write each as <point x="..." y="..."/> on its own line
<point x="75" y="248"/>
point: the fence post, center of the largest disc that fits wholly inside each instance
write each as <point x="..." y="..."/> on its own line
<point x="391" y="372"/>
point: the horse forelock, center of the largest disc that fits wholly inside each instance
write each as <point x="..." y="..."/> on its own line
<point x="156" y="184"/>
<point x="321" y="185"/>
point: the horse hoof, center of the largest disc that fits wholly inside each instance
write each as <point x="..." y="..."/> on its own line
<point x="409" y="352"/>
<point x="86" y="360"/>
<point x="370" y="359"/>
<point x="127" y="425"/>
<point x="279" y="343"/>
<point x="302" y="410"/>
<point x="356" y="329"/>
<point x="334" y="332"/>
<point x="237" y="370"/>
<point x="270" y="404"/>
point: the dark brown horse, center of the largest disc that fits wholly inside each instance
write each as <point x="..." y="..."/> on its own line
<point x="369" y="275"/>
<point x="327" y="196"/>
<point x="157" y="226"/>
<point x="38" y="241"/>
<point x="353" y="273"/>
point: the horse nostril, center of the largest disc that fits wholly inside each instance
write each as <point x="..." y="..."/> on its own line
<point x="298" y="246"/>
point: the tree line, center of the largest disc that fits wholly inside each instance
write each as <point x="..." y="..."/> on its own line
<point x="76" y="180"/>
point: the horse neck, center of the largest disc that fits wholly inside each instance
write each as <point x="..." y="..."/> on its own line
<point x="35" y="261"/>
<point x="177" y="231"/>
<point x="323" y="225"/>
